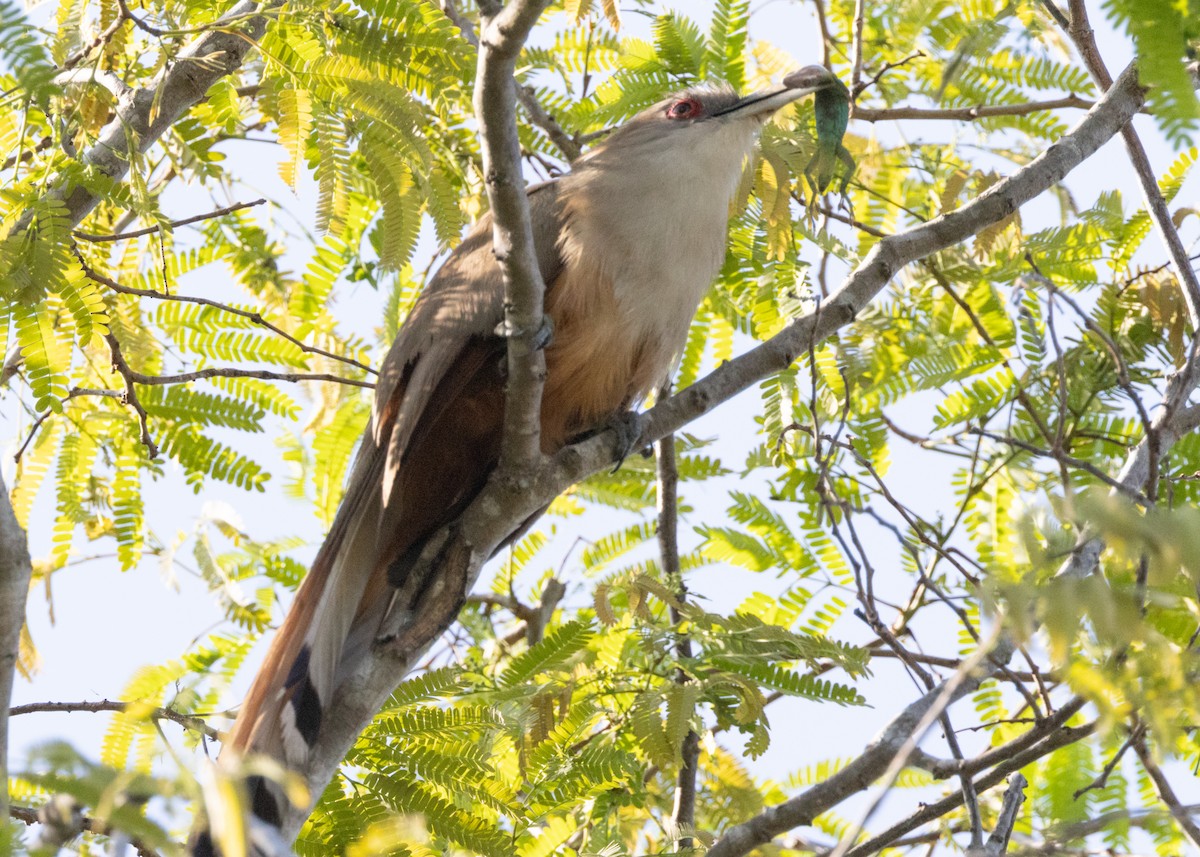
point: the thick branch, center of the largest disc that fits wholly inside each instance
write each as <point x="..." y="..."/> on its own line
<point x="16" y="570"/>
<point x="144" y="115"/>
<point x="503" y="34"/>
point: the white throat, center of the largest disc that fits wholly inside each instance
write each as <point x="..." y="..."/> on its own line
<point x="654" y="223"/>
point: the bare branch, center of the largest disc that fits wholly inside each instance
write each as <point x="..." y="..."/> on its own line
<point x="1081" y="33"/>
<point x="1057" y="738"/>
<point x="1070" y="460"/>
<point x="74" y="826"/>
<point x="826" y="39"/>
<point x="683" y="816"/>
<point x="860" y="14"/>
<point x="884" y="756"/>
<point x="1010" y="810"/>
<point x="541" y="117"/>
<point x="968" y="114"/>
<point x="895" y="752"/>
<point x="187" y="721"/>
<point x="122" y="368"/>
<point x="1165" y="792"/>
<point x="150" y="230"/>
<point x="538" y="115"/>
<point x="246" y="314"/>
<point x="264" y="374"/>
<point x="73" y="393"/>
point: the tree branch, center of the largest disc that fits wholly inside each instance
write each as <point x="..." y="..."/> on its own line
<point x="67" y="829"/>
<point x="122" y="368"/>
<point x="187" y="721"/>
<point x="931" y="812"/>
<point x="144" y="115"/>
<point x="537" y="114"/>
<point x="1010" y="810"/>
<point x="503" y="34"/>
<point x="16" y="570"/>
<point x="967" y="114"/>
<point x="884" y="757"/>
<point x="255" y="317"/>
<point x="150" y="230"/>
<point x="1165" y="792"/>
<point x="1081" y="33"/>
<point x="683" y="815"/>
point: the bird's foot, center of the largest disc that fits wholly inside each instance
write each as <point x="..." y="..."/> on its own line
<point x="542" y="337"/>
<point x="545" y="334"/>
<point x="628" y="427"/>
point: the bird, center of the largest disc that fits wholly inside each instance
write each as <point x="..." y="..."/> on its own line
<point x="628" y="243"/>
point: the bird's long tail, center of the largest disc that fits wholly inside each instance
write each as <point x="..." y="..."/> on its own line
<point x="281" y="715"/>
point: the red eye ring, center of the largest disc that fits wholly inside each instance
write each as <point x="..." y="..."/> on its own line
<point x="684" y="108"/>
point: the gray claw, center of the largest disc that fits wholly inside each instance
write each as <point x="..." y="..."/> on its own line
<point x="628" y="428"/>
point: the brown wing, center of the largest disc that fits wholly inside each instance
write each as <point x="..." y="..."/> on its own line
<point x="433" y="440"/>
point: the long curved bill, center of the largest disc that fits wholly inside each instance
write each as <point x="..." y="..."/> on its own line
<point x="802" y="82"/>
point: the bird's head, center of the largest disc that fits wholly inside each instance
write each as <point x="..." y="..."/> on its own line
<point x="704" y="130"/>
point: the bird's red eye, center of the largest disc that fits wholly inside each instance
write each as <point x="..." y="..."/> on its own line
<point x="685" y="108"/>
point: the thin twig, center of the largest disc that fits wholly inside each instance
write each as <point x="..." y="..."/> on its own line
<point x="150" y="230"/>
<point x="266" y="375"/>
<point x="856" y="73"/>
<point x="187" y="721"/>
<point x="254" y="317"/>
<point x="1077" y="463"/>
<point x="683" y="815"/>
<point x="967" y="114"/>
<point x="538" y="115"/>
<point x="826" y="38"/>
<point x="1165" y="792"/>
<point x="73" y="393"/>
<point x="1101" y="780"/>
<point x="122" y="368"/>
<point x="30" y="816"/>
<point x="1081" y="33"/>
